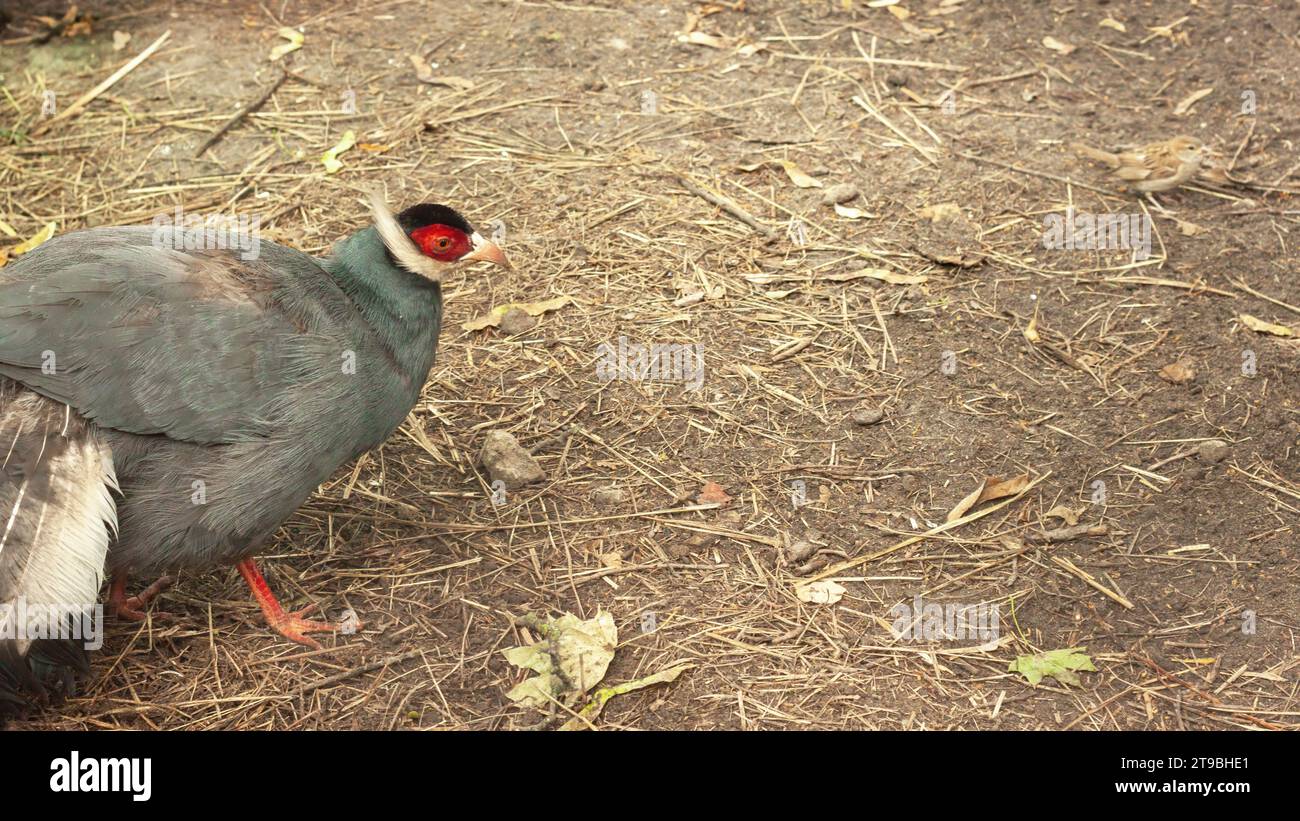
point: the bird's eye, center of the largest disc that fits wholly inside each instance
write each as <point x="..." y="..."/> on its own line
<point x="443" y="244"/>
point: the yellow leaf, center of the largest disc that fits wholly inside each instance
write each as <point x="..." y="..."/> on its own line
<point x="1057" y="46"/>
<point x="39" y="237"/>
<point x="798" y="177"/>
<point x="331" y="158"/>
<point x="1260" y="326"/>
<point x="849" y="212"/>
<point x="295" y="39"/>
<point x="1111" y="23"/>
<point x="493" y="317"/>
<point x="1031" y="331"/>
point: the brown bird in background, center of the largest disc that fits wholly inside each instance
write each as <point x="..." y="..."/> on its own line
<point x="1156" y="167"/>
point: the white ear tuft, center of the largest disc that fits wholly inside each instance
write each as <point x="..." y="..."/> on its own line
<point x="405" y="251"/>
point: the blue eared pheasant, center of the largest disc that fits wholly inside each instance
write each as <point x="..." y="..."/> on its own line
<point x="164" y="409"/>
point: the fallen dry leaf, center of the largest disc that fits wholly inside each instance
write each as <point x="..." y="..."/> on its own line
<point x="1260" y="326"/>
<point x="712" y="493"/>
<point x="1031" y="331"/>
<point x="295" y="39"/>
<point x="493" y="318"/>
<point x="798" y="177"/>
<point x="699" y="38"/>
<point x="849" y="212"/>
<point x="823" y="592"/>
<point x="991" y="488"/>
<point x="424" y="73"/>
<point x="1057" y="46"/>
<point x="1179" y="372"/>
<point x="1066" y="514"/>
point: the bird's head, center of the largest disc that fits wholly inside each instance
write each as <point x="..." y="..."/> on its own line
<point x="426" y="238"/>
<point x="1186" y="149"/>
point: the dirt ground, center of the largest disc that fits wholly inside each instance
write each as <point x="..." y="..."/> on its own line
<point x="889" y="360"/>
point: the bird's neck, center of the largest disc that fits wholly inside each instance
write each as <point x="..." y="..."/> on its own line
<point x="402" y="308"/>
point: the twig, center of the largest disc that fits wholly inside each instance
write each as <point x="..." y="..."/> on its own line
<point x="726" y="205"/>
<point x="1243" y="286"/>
<point x="243" y="112"/>
<point x="1092" y="582"/>
<point x="887" y="123"/>
<point x="1172" y="283"/>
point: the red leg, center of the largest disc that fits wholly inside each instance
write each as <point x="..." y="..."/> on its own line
<point x="132" y="609"/>
<point x="290" y="625"/>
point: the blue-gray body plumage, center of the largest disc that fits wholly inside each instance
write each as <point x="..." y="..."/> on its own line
<point x="224" y="390"/>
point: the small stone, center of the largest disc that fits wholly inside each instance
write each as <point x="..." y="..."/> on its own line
<point x="608" y="496"/>
<point x="507" y="460"/>
<point x="517" y="321"/>
<point x="842" y="192"/>
<point x="868" y="416"/>
<point x="1179" y="373"/>
<point x="1213" y="451"/>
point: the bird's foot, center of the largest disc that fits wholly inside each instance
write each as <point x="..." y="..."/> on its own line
<point x="290" y="625"/>
<point x="133" y="608"/>
<point x="294" y="627"/>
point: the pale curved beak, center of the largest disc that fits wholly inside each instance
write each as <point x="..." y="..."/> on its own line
<point x="485" y="250"/>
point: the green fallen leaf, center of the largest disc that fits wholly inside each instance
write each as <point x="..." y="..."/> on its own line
<point x="330" y="158"/>
<point x="604" y="694"/>
<point x="1059" y="664"/>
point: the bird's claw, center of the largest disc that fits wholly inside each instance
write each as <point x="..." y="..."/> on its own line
<point x="133" y="608"/>
<point x="294" y="627"/>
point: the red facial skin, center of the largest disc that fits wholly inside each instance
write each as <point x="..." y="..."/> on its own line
<point x="442" y="242"/>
